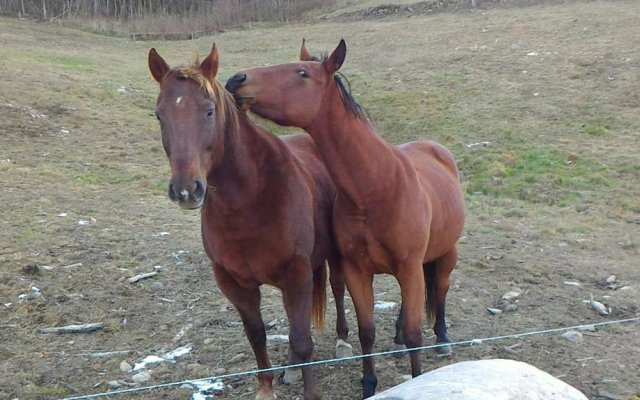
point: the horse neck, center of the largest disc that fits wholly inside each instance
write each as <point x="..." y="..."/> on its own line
<point x="240" y="172"/>
<point x="361" y="164"/>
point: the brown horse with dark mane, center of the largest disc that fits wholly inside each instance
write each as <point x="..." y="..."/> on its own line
<point x="266" y="209"/>
<point x="399" y="210"/>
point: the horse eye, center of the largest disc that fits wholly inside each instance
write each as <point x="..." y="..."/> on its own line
<point x="209" y="113"/>
<point x="303" y="74"/>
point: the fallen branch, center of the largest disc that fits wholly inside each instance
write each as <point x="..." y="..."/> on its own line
<point x="85" y="328"/>
<point x="140" y="277"/>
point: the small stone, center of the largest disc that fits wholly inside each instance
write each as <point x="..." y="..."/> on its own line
<point x="220" y="371"/>
<point x="511" y="295"/>
<point x="208" y="341"/>
<point x="494" y="311"/>
<point x="125" y="366"/>
<point x="611" y="279"/>
<point x="572" y="336"/>
<point x="406" y="378"/>
<point x="158" y="285"/>
<point x="113" y="384"/>
<point x="141" y="376"/>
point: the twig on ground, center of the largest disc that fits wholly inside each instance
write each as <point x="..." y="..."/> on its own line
<point x="85" y="328"/>
<point x="140" y="277"/>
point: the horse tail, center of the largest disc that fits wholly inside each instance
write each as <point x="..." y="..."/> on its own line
<point x="430" y="287"/>
<point x="319" y="306"/>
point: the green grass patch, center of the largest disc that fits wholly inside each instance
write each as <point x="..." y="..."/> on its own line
<point x="535" y="175"/>
<point x="74" y="63"/>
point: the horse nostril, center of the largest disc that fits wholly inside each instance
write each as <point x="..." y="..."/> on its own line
<point x="199" y="192"/>
<point x="235" y="81"/>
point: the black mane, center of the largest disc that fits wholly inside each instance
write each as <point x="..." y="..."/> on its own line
<point x="345" y="91"/>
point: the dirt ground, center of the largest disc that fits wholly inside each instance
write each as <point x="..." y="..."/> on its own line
<point x="83" y="205"/>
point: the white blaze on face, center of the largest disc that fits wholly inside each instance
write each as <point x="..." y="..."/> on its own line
<point x="178" y="100"/>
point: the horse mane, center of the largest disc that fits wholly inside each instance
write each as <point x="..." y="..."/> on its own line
<point x="225" y="105"/>
<point x="345" y="91"/>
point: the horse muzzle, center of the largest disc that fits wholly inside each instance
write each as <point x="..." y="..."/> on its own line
<point x="235" y="86"/>
<point x="188" y="196"/>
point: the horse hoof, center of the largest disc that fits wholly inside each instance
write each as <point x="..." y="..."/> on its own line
<point x="399" y="354"/>
<point x="444" y="350"/>
<point x="291" y="376"/>
<point x="266" y="394"/>
<point x="343" y="349"/>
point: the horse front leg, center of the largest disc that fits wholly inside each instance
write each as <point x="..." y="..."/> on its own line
<point x="360" y="285"/>
<point x="247" y="302"/>
<point x="297" y="296"/>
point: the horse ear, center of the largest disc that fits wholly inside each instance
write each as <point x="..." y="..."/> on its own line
<point x="304" y="53"/>
<point x="158" y="67"/>
<point x="334" y="62"/>
<point x="209" y="66"/>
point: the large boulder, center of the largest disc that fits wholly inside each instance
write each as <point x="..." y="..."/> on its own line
<point x="483" y="380"/>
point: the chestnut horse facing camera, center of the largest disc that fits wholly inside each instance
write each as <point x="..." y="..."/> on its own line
<point x="266" y="209"/>
<point x="399" y="209"/>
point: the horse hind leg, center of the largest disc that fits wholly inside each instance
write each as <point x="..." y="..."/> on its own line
<point x="398" y="339"/>
<point x="336" y="280"/>
<point x="437" y="275"/>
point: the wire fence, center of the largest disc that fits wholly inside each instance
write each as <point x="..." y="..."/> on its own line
<point x="470" y="342"/>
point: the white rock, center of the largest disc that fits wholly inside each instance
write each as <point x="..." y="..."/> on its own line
<point x="599" y="307"/>
<point x="125" y="366"/>
<point x="611" y="279"/>
<point x="572" y="283"/>
<point x="572" y="336"/>
<point x="384" y="305"/>
<point x="494" y="311"/>
<point x="483" y="380"/>
<point x="278" y="338"/>
<point x="511" y="295"/>
<point x="146" y="361"/>
<point x="179" y="352"/>
<point x="141" y="376"/>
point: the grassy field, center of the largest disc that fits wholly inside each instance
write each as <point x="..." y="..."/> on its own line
<point x="554" y="196"/>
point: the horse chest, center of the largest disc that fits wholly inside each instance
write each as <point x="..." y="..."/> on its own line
<point x="251" y="257"/>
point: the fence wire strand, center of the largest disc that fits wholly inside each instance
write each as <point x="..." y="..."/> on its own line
<point x="470" y="342"/>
